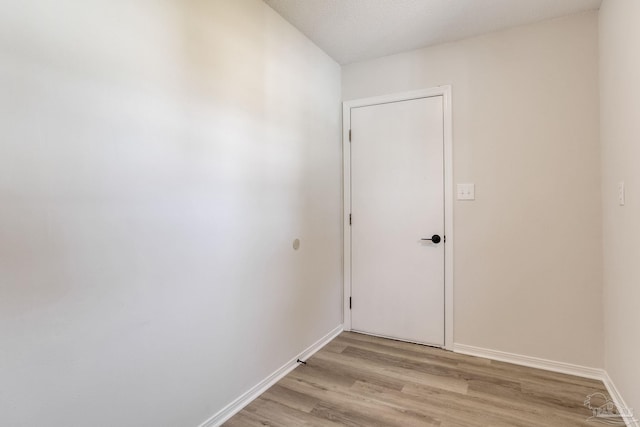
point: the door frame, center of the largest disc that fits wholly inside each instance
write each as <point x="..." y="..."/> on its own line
<point x="445" y="92"/>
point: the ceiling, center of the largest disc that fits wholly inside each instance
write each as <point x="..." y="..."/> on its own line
<point x="354" y="30"/>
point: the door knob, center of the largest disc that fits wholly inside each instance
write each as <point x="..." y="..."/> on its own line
<point x="435" y="239"/>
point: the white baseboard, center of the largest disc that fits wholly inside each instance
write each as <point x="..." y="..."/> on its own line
<point x="532" y="362"/>
<point x="234" y="407"/>
<point x="617" y="399"/>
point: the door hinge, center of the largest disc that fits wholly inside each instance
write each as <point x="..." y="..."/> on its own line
<point x="349" y="219"/>
<point x="349" y="303"/>
<point x="349" y="135"/>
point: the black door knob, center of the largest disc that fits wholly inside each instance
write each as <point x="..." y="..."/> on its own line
<point x="435" y="239"/>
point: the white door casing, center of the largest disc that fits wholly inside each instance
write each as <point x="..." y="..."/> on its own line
<point x="399" y="192"/>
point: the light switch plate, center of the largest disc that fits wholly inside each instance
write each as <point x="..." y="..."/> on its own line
<point x="621" y="193"/>
<point x="466" y="191"/>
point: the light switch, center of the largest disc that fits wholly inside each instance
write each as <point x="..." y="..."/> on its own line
<point x="621" y="193"/>
<point x="466" y="191"/>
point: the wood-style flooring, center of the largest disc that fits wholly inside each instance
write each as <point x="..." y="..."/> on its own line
<point x="359" y="380"/>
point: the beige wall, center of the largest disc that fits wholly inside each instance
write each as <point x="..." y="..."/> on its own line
<point x="528" y="250"/>
<point x="620" y="135"/>
<point x="157" y="159"/>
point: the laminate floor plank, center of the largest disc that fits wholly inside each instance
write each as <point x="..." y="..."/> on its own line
<point x="362" y="380"/>
<point x="406" y="375"/>
<point x="350" y="399"/>
<point x="293" y="399"/>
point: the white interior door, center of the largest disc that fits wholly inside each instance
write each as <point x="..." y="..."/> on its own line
<point x="397" y="199"/>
